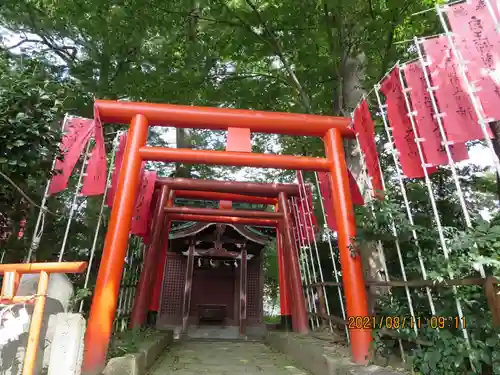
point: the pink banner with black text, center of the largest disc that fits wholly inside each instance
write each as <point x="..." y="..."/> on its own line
<point x="326" y="194"/>
<point x="365" y="129"/>
<point x="402" y="130"/>
<point x="77" y="134"/>
<point x="94" y="182"/>
<point x="140" y="218"/>
<point x="306" y="218"/>
<point x="428" y="127"/>
<point x="116" y="172"/>
<point x="459" y="120"/>
<point x="479" y="44"/>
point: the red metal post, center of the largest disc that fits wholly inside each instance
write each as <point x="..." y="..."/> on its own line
<point x="350" y="259"/>
<point x="222" y="212"/>
<point x="299" y="318"/>
<point x="235" y="187"/>
<point x="160" y="268"/>
<point x="285" y="309"/>
<point x="243" y="291"/>
<point x="213" y="196"/>
<point x="103" y="309"/>
<point x="224" y="219"/>
<point x="188" y="286"/>
<point x="233" y="158"/>
<point x="143" y="293"/>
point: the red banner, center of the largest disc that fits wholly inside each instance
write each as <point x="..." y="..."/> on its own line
<point x="326" y="194"/>
<point x="94" y="182"/>
<point x="427" y="126"/>
<point x="365" y="129"/>
<point x="79" y="131"/>
<point x="140" y="218"/>
<point x="479" y="43"/>
<point x="306" y="217"/>
<point x="460" y="120"/>
<point x="402" y="131"/>
<point x="116" y="172"/>
<point x="147" y="237"/>
<point x="22" y="227"/>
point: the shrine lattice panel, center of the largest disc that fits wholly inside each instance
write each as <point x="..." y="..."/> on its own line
<point x="173" y="288"/>
<point x="254" y="291"/>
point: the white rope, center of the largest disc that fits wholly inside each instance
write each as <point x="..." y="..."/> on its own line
<point x="101" y="212"/>
<point x="2" y="257"/>
<point x="471" y="90"/>
<point x="76" y="195"/>
<point x="40" y="221"/>
<point x="119" y="310"/>
<point x="438" y="116"/>
<point x="128" y="281"/>
<point x="437" y="218"/>
<point x="305" y="274"/>
<point x="305" y="265"/>
<point x="332" y="255"/>
<point x="399" y="173"/>
<point x="308" y="214"/>
<point x="492" y="13"/>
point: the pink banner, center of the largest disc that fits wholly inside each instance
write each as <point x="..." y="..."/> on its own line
<point x="79" y="131"/>
<point x="479" y="44"/>
<point x="116" y="172"/>
<point x="94" y="182"/>
<point x="326" y="193"/>
<point x="427" y="126"/>
<point x="402" y="131"/>
<point x="460" y="120"/>
<point x="143" y="204"/>
<point x="365" y="129"/>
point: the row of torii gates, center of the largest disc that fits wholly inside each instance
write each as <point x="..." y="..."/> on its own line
<point x="239" y="123"/>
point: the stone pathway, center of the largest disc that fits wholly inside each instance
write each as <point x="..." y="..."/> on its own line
<point x="223" y="358"/>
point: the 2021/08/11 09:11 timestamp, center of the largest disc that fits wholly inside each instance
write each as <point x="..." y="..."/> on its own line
<point x="401" y="322"/>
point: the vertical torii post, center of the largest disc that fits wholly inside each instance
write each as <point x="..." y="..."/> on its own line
<point x="103" y="309"/>
<point x="299" y="312"/>
<point x="350" y="258"/>
<point x="143" y="295"/>
<point x="285" y="309"/>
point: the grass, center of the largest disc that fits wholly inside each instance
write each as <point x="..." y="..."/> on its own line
<point x="128" y="341"/>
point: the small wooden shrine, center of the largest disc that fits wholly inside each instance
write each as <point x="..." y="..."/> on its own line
<point x="214" y="277"/>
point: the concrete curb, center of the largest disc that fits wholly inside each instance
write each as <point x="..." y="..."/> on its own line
<point x="320" y="358"/>
<point x="138" y="363"/>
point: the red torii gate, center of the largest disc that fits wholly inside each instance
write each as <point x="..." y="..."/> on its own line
<point x="143" y="115"/>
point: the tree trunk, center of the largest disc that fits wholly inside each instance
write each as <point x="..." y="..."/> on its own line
<point x="495" y="129"/>
<point x="352" y="92"/>
<point x="183" y="136"/>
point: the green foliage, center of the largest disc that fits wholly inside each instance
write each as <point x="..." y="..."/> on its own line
<point x="444" y="351"/>
<point x="271" y="276"/>
<point x="128" y="342"/>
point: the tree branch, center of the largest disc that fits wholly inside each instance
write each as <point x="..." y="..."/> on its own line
<point x="370" y="5"/>
<point x="18" y="44"/>
<point x="274" y="42"/>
